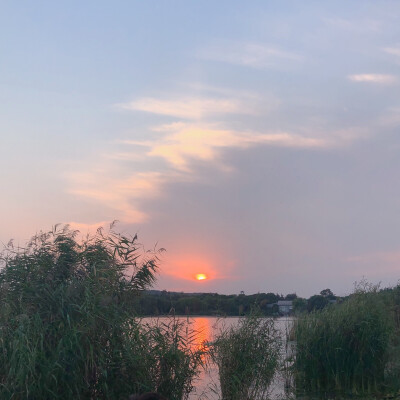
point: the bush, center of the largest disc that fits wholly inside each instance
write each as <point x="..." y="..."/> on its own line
<point x="344" y="348"/>
<point x="247" y="357"/>
<point x="68" y="327"/>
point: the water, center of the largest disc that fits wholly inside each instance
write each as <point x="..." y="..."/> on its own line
<point x="207" y="386"/>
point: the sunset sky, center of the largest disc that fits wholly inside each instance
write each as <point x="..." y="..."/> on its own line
<point x="257" y="141"/>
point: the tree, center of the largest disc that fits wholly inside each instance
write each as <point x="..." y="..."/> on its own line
<point x="299" y="305"/>
<point x="327" y="293"/>
<point x="317" y="302"/>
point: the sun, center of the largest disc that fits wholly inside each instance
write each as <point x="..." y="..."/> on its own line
<point x="201" y="277"/>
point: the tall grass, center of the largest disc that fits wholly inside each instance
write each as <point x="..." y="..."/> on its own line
<point x="174" y="357"/>
<point x="343" y="349"/>
<point x="68" y="328"/>
<point x="247" y="356"/>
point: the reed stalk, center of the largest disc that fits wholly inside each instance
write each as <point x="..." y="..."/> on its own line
<point x="247" y="356"/>
<point x="344" y="348"/>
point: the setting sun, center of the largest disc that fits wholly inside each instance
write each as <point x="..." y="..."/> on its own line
<point x="201" y="277"/>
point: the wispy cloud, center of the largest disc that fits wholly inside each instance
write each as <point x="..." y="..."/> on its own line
<point x="255" y="55"/>
<point x="395" y="51"/>
<point x="122" y="180"/>
<point x="390" y="117"/>
<point x="120" y="192"/>
<point x="123" y="192"/>
<point x="186" y="142"/>
<point x="374" y="78"/>
<point x="189" y="107"/>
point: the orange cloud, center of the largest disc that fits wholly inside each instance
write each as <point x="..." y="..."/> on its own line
<point x="186" y="142"/>
<point x="118" y="193"/>
<point x="136" y="170"/>
<point x="122" y="192"/>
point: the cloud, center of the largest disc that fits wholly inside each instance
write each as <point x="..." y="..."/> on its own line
<point x="136" y="171"/>
<point x="374" y="78"/>
<point x="391" y="117"/>
<point x="254" y="55"/>
<point x="189" y="107"/>
<point x="395" y="51"/>
<point x="118" y="191"/>
<point x="186" y="142"/>
<point x="123" y="192"/>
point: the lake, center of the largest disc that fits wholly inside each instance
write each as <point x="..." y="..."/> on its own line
<point x="207" y="386"/>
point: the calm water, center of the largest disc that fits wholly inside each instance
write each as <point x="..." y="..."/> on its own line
<point x="207" y="386"/>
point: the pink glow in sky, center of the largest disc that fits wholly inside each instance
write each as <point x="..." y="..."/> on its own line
<point x="257" y="142"/>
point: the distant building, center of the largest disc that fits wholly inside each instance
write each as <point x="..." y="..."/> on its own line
<point x="285" y="306"/>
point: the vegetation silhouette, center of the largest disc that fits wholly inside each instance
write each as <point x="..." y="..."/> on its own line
<point x="68" y="327"/>
<point x="351" y="348"/>
<point x="247" y="356"/>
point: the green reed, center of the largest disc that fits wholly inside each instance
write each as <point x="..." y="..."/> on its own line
<point x="68" y="328"/>
<point x="344" y="348"/>
<point x="247" y="356"/>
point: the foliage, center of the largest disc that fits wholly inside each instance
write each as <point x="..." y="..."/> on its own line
<point x="317" y="302"/>
<point x="164" y="303"/>
<point x="344" y="348"/>
<point x="247" y="357"/>
<point x="162" y="356"/>
<point x="328" y="294"/>
<point x="67" y="324"/>
<point x="299" y="305"/>
<point x="392" y="300"/>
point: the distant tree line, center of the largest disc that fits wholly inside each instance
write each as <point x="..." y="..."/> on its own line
<point x="154" y="302"/>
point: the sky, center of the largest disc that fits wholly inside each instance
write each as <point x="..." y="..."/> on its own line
<point x="258" y="142"/>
